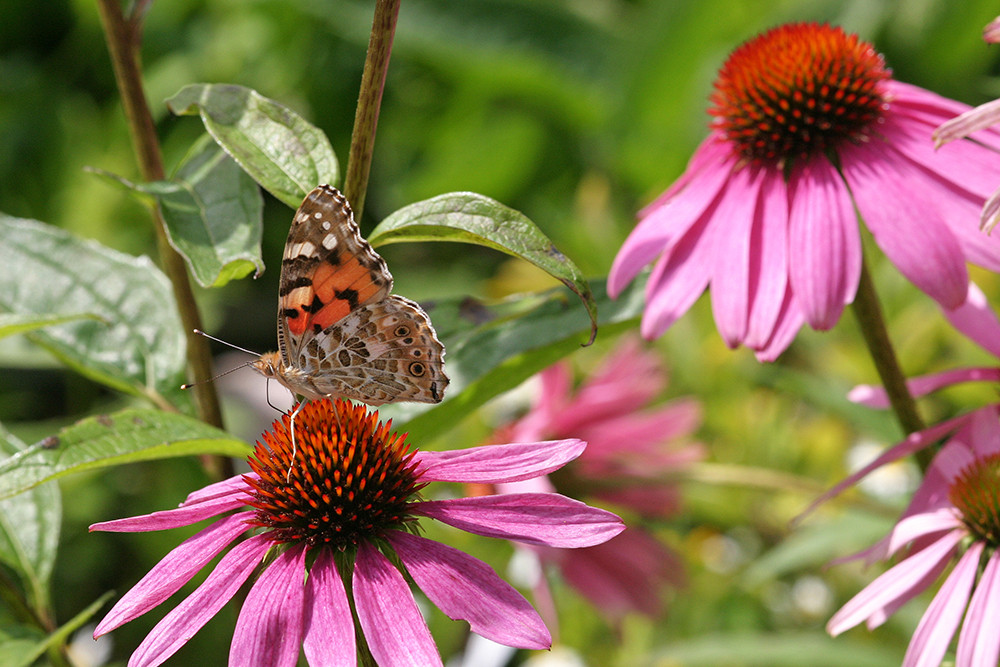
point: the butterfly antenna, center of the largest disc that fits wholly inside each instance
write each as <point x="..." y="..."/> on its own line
<point x="188" y="385"/>
<point x="219" y="340"/>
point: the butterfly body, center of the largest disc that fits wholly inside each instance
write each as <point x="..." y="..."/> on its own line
<point x="340" y="331"/>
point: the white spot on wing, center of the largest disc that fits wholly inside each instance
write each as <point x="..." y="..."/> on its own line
<point x="329" y="241"/>
<point x="306" y="248"/>
<point x="326" y="225"/>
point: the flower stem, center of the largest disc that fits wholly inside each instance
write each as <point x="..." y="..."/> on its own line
<point x="369" y="101"/>
<point x="123" y="36"/>
<point x="869" y="316"/>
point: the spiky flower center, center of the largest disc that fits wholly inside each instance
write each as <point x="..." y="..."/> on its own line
<point x="975" y="493"/>
<point x="350" y="478"/>
<point x="798" y="90"/>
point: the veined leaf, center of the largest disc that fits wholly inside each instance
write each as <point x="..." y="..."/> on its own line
<point x="136" y="346"/>
<point x="29" y="530"/>
<point x="213" y="213"/>
<point x="287" y="155"/>
<point x="468" y="217"/>
<point x="106" y="440"/>
<point x="15" y="323"/>
<point x="491" y="349"/>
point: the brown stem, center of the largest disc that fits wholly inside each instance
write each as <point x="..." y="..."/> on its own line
<point x="123" y="45"/>
<point x="369" y="101"/>
<point x="869" y="316"/>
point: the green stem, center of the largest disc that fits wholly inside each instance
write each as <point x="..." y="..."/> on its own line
<point x="123" y="38"/>
<point x="869" y="316"/>
<point x="359" y="161"/>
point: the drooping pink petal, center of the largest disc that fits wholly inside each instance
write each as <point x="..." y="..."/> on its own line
<point x="678" y="279"/>
<point x="269" y="628"/>
<point x="824" y="244"/>
<point x="731" y="259"/>
<point x="394" y="629"/>
<point x="977" y="321"/>
<point x="665" y="224"/>
<point x="966" y="123"/>
<point x="185" y="515"/>
<point x="466" y="588"/>
<point x="184" y="620"/>
<point x="172" y="572"/>
<point x="990" y="216"/>
<point x="547" y="519"/>
<point x="921" y="525"/>
<point x="991" y="33"/>
<point x="714" y="149"/>
<point x="769" y="260"/>
<point x="329" y="627"/>
<point x="492" y="464"/>
<point x="907" y="226"/>
<point x="789" y="321"/>
<point x="895" y="582"/>
<point x="874" y="396"/>
<point x="625" y="574"/>
<point x="912" y="443"/>
<point x="937" y="626"/>
<point x="235" y="485"/>
<point x="979" y="641"/>
<point x="984" y="439"/>
<point x="641" y="432"/>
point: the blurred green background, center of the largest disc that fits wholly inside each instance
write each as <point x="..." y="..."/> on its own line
<point x="576" y="113"/>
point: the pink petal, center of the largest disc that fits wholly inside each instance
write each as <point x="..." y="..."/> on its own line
<point x="678" y="279"/>
<point x="714" y="150"/>
<point x="663" y="224"/>
<point x="197" y="609"/>
<point x="976" y="319"/>
<point x="990" y="216"/>
<point x="768" y="260"/>
<point x="329" y="626"/>
<point x="205" y="507"/>
<point x="979" y="641"/>
<point x="235" y="485"/>
<point x="396" y="632"/>
<point x="172" y="572"/>
<point x="547" y="519"/>
<point x="790" y="320"/>
<point x="896" y="582"/>
<point x="912" y="443"/>
<point x="875" y="396"/>
<point x="937" y="627"/>
<point x="824" y="244"/>
<point x="732" y="255"/>
<point x="466" y="588"/>
<point x="269" y="628"/>
<point x="492" y="464"/>
<point x="965" y="124"/>
<point x="991" y="33"/>
<point x="906" y="226"/>
<point x="921" y="525"/>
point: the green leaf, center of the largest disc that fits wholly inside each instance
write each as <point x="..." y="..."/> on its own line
<point x="28" y="654"/>
<point x="213" y="213"/>
<point x="278" y="148"/>
<point x="29" y="531"/>
<point x="492" y="349"/>
<point x="138" y="344"/>
<point x="468" y="217"/>
<point x="107" y="440"/>
<point x="15" y="323"/>
<point x="775" y="650"/>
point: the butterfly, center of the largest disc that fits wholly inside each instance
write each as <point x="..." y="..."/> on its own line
<point x="340" y="331"/>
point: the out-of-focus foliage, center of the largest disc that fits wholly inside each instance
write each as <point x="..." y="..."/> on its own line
<point x="576" y="113"/>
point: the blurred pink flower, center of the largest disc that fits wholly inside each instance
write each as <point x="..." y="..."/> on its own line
<point x="628" y="463"/>
<point x="953" y="516"/>
<point x="347" y="501"/>
<point x="808" y="125"/>
<point x="972" y="121"/>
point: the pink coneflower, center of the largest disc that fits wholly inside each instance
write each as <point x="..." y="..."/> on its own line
<point x="348" y="504"/>
<point x="808" y="124"/>
<point x="954" y="518"/>
<point x="628" y="463"/>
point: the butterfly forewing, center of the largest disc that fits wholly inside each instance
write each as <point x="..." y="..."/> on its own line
<point x="340" y="332"/>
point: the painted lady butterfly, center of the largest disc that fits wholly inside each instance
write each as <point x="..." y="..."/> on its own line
<point x="340" y="331"/>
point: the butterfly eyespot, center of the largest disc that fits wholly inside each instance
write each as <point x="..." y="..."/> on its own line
<point x="417" y="353"/>
<point x="417" y="369"/>
<point x="402" y="331"/>
<point x="407" y="341"/>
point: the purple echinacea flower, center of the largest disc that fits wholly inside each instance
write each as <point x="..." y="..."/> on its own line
<point x="342" y="516"/>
